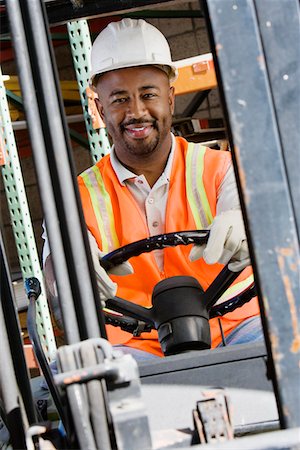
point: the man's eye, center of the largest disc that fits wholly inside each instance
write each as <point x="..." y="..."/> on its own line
<point x="119" y="100"/>
<point x="149" y="95"/>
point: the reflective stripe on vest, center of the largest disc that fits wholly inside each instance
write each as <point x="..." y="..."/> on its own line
<point x="200" y="207"/>
<point x="236" y="289"/>
<point x="196" y="193"/>
<point x="102" y="207"/>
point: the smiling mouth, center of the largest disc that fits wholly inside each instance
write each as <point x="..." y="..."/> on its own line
<point x="138" y="131"/>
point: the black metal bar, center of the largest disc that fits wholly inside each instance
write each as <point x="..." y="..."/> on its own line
<point x="128" y="308"/>
<point x="59" y="12"/>
<point x="71" y="253"/>
<point x="9" y="390"/>
<point x="160" y="14"/>
<point x="14" y="337"/>
<point x="219" y="286"/>
<point x="39" y="353"/>
<point x="126" y="323"/>
<point x="251" y="114"/>
<point x="195" y="103"/>
<point x="233" y="303"/>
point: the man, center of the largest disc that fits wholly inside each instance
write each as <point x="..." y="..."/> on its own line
<point x="154" y="183"/>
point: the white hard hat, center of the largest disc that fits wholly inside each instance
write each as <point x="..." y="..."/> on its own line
<point x="130" y="43"/>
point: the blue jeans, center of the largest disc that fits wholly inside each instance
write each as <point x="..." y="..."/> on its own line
<point x="247" y="332"/>
<point x="138" y="355"/>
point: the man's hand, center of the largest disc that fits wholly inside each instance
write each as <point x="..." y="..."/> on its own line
<point x="106" y="287"/>
<point x="227" y="242"/>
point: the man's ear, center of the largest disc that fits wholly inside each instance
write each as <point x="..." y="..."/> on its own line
<point x="100" y="108"/>
<point x="172" y="98"/>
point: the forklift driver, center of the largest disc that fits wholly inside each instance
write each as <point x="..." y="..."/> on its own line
<point x="153" y="182"/>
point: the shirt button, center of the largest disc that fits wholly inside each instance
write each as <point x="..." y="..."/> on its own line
<point x="140" y="181"/>
<point x="155" y="224"/>
<point x="151" y="201"/>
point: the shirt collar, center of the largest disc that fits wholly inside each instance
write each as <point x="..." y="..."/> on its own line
<point x="124" y="174"/>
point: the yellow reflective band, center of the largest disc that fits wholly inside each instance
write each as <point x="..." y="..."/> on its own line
<point x="237" y="288"/>
<point x="203" y="200"/>
<point x="87" y="177"/>
<point x="102" y="208"/>
<point x="110" y="226"/>
<point x="189" y="187"/>
<point x="196" y="193"/>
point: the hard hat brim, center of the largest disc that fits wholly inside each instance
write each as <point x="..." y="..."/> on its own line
<point x="170" y="70"/>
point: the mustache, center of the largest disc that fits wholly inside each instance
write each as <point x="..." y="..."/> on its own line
<point x="138" y="122"/>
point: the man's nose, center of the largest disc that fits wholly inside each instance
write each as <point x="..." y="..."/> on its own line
<point x="136" y="108"/>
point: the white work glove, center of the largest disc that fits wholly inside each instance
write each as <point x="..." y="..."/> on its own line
<point x="227" y="242"/>
<point x="106" y="287"/>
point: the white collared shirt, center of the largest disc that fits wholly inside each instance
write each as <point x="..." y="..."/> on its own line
<point x="151" y="201"/>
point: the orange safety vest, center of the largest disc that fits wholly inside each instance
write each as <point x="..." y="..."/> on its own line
<point x="115" y="219"/>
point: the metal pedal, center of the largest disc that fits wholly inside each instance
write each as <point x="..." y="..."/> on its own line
<point x="212" y="418"/>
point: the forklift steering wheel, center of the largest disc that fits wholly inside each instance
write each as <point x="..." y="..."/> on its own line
<point x="160" y="241"/>
<point x="165" y="291"/>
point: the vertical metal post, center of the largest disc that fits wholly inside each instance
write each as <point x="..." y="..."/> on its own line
<point x="241" y="64"/>
<point x="21" y="224"/>
<point x="279" y="24"/>
<point x="9" y="390"/>
<point x="81" y="45"/>
<point x="15" y="351"/>
<point x="73" y="267"/>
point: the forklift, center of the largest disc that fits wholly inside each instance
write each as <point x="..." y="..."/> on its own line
<point x="239" y="397"/>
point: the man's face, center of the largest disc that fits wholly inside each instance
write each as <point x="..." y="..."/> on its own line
<point x="136" y="105"/>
